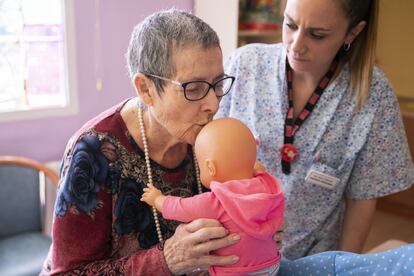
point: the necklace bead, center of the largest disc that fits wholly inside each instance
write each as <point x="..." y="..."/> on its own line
<point x="149" y="172"/>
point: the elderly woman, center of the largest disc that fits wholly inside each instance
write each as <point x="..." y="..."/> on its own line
<point x="100" y="225"/>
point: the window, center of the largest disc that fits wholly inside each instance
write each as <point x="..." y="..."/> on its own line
<point x="36" y="59"/>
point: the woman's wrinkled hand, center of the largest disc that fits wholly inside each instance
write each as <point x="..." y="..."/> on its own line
<point x="188" y="250"/>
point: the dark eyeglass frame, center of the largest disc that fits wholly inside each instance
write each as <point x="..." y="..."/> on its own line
<point x="210" y="86"/>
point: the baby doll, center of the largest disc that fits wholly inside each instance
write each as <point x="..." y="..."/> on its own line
<point x="248" y="203"/>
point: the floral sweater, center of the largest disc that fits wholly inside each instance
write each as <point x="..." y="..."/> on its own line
<point x="100" y="224"/>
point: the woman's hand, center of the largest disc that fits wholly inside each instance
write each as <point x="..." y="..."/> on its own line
<point x="280" y="235"/>
<point x="258" y="167"/>
<point x="189" y="248"/>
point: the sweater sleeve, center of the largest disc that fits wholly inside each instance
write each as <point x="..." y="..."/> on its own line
<point x="91" y="234"/>
<point x="144" y="262"/>
<point x="89" y="253"/>
<point x="191" y="208"/>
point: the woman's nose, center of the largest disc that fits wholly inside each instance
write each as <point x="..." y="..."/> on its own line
<point x="211" y="102"/>
<point x="298" y="43"/>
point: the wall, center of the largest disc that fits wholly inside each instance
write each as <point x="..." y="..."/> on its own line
<point x="45" y="139"/>
<point x="222" y="16"/>
<point x="396" y="44"/>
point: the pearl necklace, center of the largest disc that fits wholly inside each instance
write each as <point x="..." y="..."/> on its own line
<point x="149" y="172"/>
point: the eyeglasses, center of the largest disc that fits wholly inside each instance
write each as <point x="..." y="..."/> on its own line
<point x="197" y="90"/>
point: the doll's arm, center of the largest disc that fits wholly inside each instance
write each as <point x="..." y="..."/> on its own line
<point x="153" y="197"/>
<point x="191" y="208"/>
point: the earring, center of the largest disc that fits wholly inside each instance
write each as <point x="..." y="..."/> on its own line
<point x="347" y="46"/>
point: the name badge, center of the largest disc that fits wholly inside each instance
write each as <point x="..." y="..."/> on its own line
<point x="322" y="179"/>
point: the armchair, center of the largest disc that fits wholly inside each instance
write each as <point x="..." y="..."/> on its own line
<point x="23" y="245"/>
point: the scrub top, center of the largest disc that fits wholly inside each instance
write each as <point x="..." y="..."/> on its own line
<point x="343" y="153"/>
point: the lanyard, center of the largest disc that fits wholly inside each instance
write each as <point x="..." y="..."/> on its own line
<point x="289" y="152"/>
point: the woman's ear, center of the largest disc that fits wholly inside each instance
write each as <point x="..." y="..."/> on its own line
<point x="211" y="166"/>
<point x="355" y="31"/>
<point x="142" y="85"/>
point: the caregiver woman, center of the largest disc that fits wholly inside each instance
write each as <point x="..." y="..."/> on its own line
<point x="328" y="121"/>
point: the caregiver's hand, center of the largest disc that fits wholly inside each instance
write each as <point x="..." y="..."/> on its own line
<point x="280" y="235"/>
<point x="258" y="167"/>
<point x="188" y="249"/>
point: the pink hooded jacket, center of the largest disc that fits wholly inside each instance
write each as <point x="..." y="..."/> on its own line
<point x="251" y="207"/>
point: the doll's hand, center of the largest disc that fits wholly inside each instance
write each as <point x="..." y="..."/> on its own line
<point x="150" y="195"/>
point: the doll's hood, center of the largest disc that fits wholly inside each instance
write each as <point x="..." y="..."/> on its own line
<point x="255" y="205"/>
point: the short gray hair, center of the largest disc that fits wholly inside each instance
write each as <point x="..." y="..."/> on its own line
<point x="155" y="39"/>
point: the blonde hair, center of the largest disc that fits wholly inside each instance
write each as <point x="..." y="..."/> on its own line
<point x="362" y="54"/>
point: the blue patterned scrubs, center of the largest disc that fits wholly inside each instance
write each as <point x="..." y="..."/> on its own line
<point x="366" y="150"/>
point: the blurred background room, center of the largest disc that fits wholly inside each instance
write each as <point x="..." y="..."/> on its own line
<point x="63" y="62"/>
